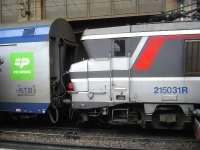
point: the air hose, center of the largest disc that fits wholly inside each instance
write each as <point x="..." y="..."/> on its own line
<point x="53" y="118"/>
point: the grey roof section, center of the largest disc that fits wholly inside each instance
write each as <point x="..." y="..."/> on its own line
<point x="165" y="26"/>
<point x="143" y="28"/>
<point x="110" y="30"/>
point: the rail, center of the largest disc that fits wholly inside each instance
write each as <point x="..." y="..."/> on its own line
<point x="76" y="138"/>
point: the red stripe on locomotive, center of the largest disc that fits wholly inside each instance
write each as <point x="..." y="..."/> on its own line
<point x="152" y="48"/>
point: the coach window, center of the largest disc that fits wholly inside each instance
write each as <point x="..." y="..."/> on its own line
<point x="192" y="55"/>
<point x="29" y="32"/>
<point x="119" y="47"/>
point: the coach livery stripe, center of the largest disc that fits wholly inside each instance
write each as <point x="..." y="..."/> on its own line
<point x="24" y="107"/>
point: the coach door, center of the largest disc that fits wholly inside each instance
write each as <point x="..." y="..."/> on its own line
<point x="119" y="71"/>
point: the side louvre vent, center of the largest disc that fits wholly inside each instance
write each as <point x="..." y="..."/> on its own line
<point x="192" y="57"/>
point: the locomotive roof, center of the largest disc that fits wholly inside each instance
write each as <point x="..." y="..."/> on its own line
<point x="138" y="30"/>
<point x="20" y="31"/>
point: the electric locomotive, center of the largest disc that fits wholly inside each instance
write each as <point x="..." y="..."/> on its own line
<point x="139" y="74"/>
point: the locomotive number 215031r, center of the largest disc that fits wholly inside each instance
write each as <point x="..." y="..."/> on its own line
<point x="170" y="90"/>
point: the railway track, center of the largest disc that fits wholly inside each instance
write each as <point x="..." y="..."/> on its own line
<point x="94" y="133"/>
<point x="119" y="138"/>
<point x="30" y="145"/>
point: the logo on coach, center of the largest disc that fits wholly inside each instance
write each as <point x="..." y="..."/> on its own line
<point x="22" y="66"/>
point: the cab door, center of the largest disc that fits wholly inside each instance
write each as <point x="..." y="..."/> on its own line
<point x="120" y="74"/>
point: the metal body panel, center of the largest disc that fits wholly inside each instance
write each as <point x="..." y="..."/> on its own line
<point x="103" y="48"/>
<point x="142" y="89"/>
<point x="111" y="30"/>
<point x="174" y="26"/>
<point x="161" y="82"/>
<point x="34" y="90"/>
<point x="24" y="73"/>
<point x="169" y="62"/>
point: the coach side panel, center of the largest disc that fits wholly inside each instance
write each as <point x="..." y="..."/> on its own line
<point x="25" y="77"/>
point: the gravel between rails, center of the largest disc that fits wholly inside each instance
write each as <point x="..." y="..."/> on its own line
<point x="102" y="138"/>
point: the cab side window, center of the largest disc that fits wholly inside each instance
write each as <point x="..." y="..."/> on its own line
<point x="119" y="47"/>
